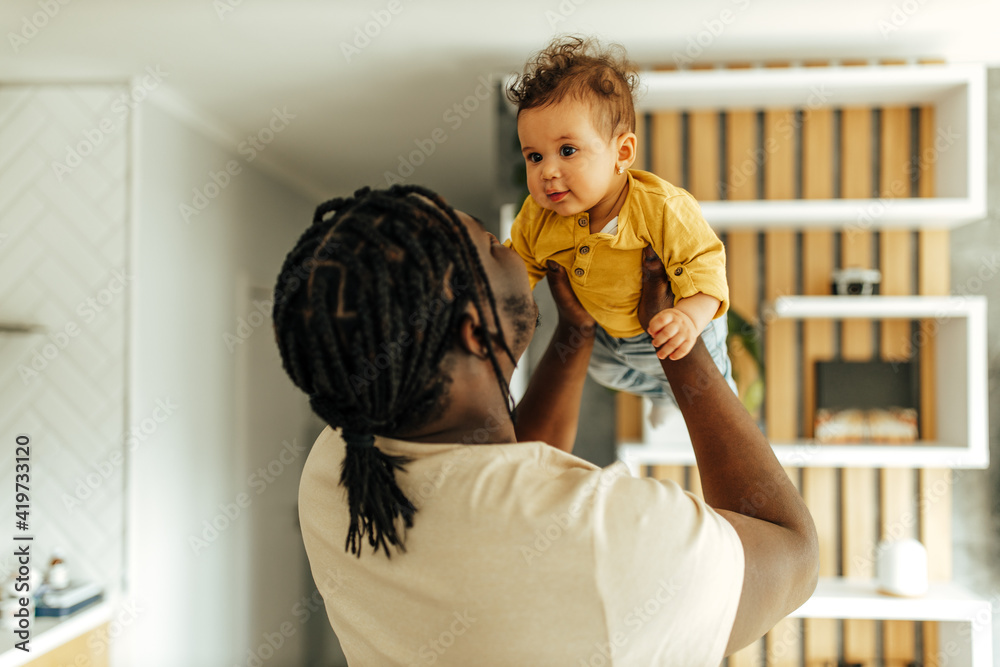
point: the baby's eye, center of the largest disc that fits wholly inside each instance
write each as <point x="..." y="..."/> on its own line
<point x="534" y="157"/>
<point x="566" y="151"/>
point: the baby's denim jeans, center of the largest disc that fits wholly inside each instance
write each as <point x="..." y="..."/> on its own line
<point x="630" y="364"/>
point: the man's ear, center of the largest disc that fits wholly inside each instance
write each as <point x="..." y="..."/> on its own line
<point x="472" y="335"/>
<point x="626" y="149"/>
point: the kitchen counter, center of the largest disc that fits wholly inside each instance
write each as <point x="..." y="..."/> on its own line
<point x="48" y="633"/>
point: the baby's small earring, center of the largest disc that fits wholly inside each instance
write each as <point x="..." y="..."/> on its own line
<point x="621" y="169"/>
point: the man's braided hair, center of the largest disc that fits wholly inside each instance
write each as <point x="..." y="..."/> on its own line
<point x="367" y="305"/>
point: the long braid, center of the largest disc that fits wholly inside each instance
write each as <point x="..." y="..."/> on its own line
<point x="383" y="276"/>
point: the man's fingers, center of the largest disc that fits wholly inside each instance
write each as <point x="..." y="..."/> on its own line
<point x="652" y="267"/>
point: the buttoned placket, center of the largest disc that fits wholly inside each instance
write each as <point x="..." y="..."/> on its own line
<point x="583" y="241"/>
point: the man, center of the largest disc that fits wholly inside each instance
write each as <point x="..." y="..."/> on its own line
<point x="402" y="319"/>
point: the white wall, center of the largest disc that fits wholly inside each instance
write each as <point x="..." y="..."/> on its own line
<point x="193" y="607"/>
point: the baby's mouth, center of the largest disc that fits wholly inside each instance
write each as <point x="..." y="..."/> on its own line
<point x="557" y="196"/>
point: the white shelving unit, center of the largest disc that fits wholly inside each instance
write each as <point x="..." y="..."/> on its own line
<point x="965" y="619"/>
<point x="957" y="92"/>
<point x="961" y="390"/>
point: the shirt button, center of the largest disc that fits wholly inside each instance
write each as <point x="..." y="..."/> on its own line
<point x="679" y="271"/>
<point x="584" y="250"/>
<point x="582" y="222"/>
<point x="578" y="272"/>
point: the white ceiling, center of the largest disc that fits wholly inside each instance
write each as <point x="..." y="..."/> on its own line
<point x="230" y="62"/>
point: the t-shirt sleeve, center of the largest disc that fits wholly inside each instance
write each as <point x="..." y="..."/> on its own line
<point x="670" y="573"/>
<point x="692" y="253"/>
<point x="522" y="241"/>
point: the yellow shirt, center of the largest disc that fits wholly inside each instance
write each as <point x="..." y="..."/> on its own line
<point x="606" y="271"/>
<point x="521" y="554"/>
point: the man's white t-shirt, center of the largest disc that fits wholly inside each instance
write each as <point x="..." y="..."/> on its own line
<point x="521" y="554"/>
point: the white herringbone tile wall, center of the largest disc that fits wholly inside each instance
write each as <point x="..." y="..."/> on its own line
<point x="63" y="261"/>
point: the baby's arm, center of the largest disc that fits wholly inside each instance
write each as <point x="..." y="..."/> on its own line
<point x="677" y="329"/>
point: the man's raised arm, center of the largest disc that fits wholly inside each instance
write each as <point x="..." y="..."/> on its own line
<point x="741" y="479"/>
<point x="550" y="409"/>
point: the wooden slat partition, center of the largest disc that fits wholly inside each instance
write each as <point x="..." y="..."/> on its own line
<point x="859" y="531"/>
<point x="933" y="278"/>
<point x="703" y="182"/>
<point x="783" y="643"/>
<point x="666" y="142"/>
<point x="819" y="485"/>
<point x="854" y="507"/>
<point x="895" y="258"/>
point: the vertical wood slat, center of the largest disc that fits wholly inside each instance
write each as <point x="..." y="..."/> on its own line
<point x="780" y="403"/>
<point x="898" y="489"/>
<point x="703" y="184"/>
<point x="859" y="532"/>
<point x="741" y="246"/>
<point x="666" y="162"/>
<point x="933" y="256"/>
<point x="819" y="485"/>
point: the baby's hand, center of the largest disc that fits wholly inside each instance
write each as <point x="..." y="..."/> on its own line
<point x="674" y="333"/>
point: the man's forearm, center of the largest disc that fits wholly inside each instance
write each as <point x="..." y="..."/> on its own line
<point x="739" y="472"/>
<point x="550" y="409"/>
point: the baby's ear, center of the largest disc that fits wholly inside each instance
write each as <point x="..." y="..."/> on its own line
<point x="627" y="145"/>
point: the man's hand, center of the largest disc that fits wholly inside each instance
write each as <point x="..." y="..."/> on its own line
<point x="674" y="333"/>
<point x="656" y="294"/>
<point x="570" y="310"/>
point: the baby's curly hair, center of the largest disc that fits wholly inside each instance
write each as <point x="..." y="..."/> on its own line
<point x="576" y="66"/>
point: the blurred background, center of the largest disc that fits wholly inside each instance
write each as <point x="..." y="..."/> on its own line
<point x="157" y="161"/>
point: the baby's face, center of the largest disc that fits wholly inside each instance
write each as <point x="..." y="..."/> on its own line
<point x="571" y="166"/>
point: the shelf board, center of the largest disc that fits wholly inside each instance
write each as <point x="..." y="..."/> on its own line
<point x="849" y="599"/>
<point x="958" y="158"/>
<point x="811" y="87"/>
<point x="885" y="213"/>
<point x="810" y="454"/>
<point x="879" y="307"/>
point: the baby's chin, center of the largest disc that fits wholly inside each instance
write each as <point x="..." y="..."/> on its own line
<point x="564" y="208"/>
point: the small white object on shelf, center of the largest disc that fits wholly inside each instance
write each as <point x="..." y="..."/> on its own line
<point x="901" y="568"/>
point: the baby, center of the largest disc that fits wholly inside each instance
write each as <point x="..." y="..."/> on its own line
<point x="592" y="214"/>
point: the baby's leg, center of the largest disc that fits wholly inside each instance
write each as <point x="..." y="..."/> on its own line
<point x="623" y="364"/>
<point x="631" y="364"/>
